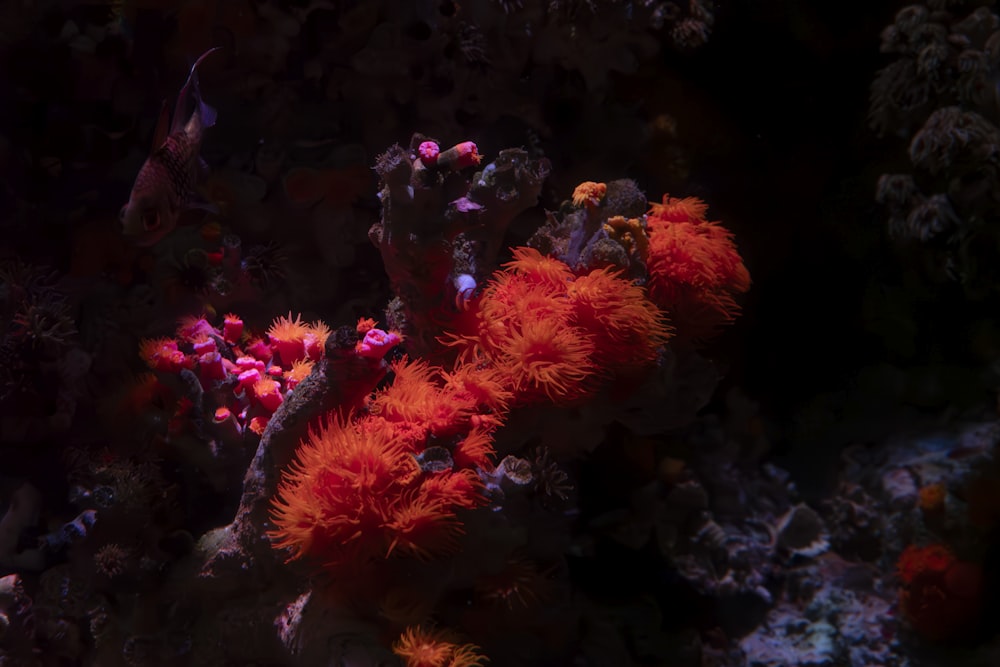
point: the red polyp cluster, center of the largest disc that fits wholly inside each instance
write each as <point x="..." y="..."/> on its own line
<point x="370" y="485"/>
<point x="240" y="373"/>
<point x="695" y="271"/>
<point x="553" y="336"/>
<point x="295" y="340"/>
<point x="941" y="596"/>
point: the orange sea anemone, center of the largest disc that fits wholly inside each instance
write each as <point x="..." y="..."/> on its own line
<point x="549" y="359"/>
<point x="419" y="647"/>
<point x="551" y="336"/>
<point x="539" y="268"/>
<point x="627" y="327"/>
<point x="480" y="386"/>
<point x="677" y="209"/>
<point x="589" y="194"/>
<point x="694" y="268"/>
<point x="415" y="397"/>
<point x="357" y="493"/>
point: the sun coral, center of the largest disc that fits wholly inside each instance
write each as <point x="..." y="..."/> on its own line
<point x="461" y="155"/>
<point x="550" y="359"/>
<point x="191" y="328"/>
<point x="589" y="194"/>
<point x="555" y="337"/>
<point x="288" y="337"/>
<point x="164" y="355"/>
<point x="299" y="371"/>
<point x="424" y="401"/>
<point x="232" y="328"/>
<point x="538" y="269"/>
<point x="268" y="394"/>
<point x="941" y="595"/>
<point x="419" y="647"/>
<point x="314" y="341"/>
<point x="628" y="328"/>
<point x="358" y="493"/>
<point x="695" y="271"/>
<point x="931" y="498"/>
<point x="679" y="209"/>
<point x="377" y="343"/>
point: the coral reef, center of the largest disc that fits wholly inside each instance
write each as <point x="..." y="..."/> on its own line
<point x="938" y="95"/>
<point x="214" y="454"/>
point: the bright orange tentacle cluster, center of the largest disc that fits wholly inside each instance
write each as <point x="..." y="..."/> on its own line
<point x="553" y="336"/>
<point x="358" y="489"/>
<point x="427" y="401"/>
<point x="695" y="271"/>
<point x="358" y="493"/>
<point x="295" y="340"/>
<point x="419" y="647"/>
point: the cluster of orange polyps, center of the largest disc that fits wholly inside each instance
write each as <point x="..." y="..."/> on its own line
<point x="359" y="488"/>
<point x="557" y="337"/>
<point x="695" y="271"/>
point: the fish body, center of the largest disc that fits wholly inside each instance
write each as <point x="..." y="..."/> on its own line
<point x="164" y="187"/>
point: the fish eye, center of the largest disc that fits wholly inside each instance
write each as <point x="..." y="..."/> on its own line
<point x="150" y="220"/>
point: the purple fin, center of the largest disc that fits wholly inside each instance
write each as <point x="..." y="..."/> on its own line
<point x="207" y="113"/>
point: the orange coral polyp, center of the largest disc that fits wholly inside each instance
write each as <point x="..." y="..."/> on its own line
<point x="676" y="209"/>
<point x="589" y="194"/>
<point x="338" y="491"/>
<point x="539" y="268"/>
<point x="694" y="268"/>
<point x="355" y="491"/>
<point x="420" y="647"/>
<point x="478" y="386"/>
<point x="288" y="336"/>
<point x="545" y="358"/>
<point x="628" y="327"/>
<point x="413" y="397"/>
<point x="162" y="354"/>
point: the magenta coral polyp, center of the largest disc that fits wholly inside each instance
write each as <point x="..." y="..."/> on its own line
<point x="377" y="343"/>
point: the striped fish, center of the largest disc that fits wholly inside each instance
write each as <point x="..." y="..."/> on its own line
<point x="164" y="187"/>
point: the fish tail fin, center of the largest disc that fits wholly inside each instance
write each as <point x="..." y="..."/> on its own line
<point x="206" y="113"/>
